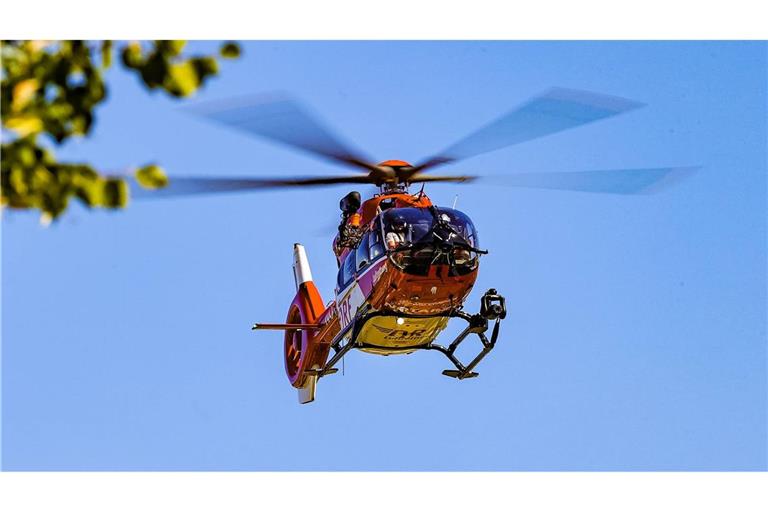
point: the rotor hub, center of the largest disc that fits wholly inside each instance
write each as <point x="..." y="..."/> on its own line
<point x="392" y="176"/>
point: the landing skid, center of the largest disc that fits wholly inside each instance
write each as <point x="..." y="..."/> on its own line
<point x="492" y="308"/>
<point x="476" y="324"/>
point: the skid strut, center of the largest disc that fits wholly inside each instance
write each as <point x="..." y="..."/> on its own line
<point x="339" y="349"/>
<point x="492" y="308"/>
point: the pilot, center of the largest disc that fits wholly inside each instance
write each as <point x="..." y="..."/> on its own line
<point x="462" y="257"/>
<point x="396" y="236"/>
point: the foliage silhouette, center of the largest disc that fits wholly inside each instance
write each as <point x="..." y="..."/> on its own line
<point x="50" y="92"/>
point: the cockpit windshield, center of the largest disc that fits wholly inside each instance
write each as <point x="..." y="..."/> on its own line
<point x="419" y="238"/>
<point x="416" y="224"/>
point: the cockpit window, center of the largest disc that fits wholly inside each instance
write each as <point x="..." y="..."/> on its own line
<point x="362" y="252"/>
<point x="347" y="270"/>
<point x="419" y="221"/>
<point x="418" y="238"/>
<point x="374" y="241"/>
<point x="461" y="223"/>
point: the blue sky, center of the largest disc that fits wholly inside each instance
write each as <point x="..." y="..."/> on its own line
<point x="636" y="332"/>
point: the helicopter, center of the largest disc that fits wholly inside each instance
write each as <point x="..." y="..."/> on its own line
<point x="405" y="265"/>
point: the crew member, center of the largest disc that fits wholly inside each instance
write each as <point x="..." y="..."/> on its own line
<point x="350" y="230"/>
<point x="396" y="236"/>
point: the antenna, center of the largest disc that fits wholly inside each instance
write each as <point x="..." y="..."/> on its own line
<point x="455" y="200"/>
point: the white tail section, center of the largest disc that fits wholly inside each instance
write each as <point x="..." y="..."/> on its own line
<point x="307" y="393"/>
<point x="301" y="271"/>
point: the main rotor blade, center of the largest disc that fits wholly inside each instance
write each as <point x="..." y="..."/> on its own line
<point x="556" y="110"/>
<point x="424" y="178"/>
<point x="610" y="181"/>
<point x="184" y="186"/>
<point x="285" y="121"/>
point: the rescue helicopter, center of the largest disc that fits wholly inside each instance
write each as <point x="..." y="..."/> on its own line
<point x="405" y="265"/>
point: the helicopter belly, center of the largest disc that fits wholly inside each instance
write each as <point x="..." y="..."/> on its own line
<point x="388" y="334"/>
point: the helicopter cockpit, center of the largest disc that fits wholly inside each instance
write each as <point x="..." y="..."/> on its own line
<point x="424" y="237"/>
<point x="418" y="238"/>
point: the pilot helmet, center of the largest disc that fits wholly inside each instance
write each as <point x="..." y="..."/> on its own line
<point x="398" y="223"/>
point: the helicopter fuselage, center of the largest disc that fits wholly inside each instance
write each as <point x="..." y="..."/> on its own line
<point x="411" y="289"/>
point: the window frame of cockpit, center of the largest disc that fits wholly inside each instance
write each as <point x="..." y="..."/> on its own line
<point x="456" y="215"/>
<point x="459" y="222"/>
<point x="350" y="259"/>
<point x="362" y="247"/>
<point x="377" y="227"/>
<point x="371" y="238"/>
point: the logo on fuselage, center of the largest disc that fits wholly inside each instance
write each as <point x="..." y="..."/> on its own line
<point x="401" y="334"/>
<point x="348" y="306"/>
<point x="379" y="272"/>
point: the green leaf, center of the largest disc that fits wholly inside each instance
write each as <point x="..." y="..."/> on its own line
<point x="183" y="79"/>
<point x="89" y="192"/>
<point x="106" y="54"/>
<point x="151" y="177"/>
<point x="155" y="70"/>
<point x="170" y="48"/>
<point x="24" y="124"/>
<point x="52" y="89"/>
<point x="25" y="155"/>
<point x="80" y="125"/>
<point x="205" y="66"/>
<point x="23" y="92"/>
<point x="132" y="57"/>
<point x="230" y="50"/>
<point x="114" y="193"/>
<point x="17" y="181"/>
